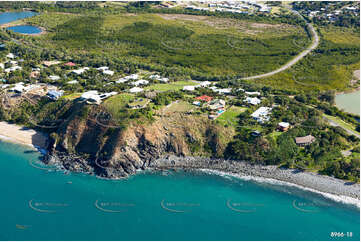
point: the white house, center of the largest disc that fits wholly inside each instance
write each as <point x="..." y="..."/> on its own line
<point x="108" y="72"/>
<point x="164" y="79"/>
<point x="80" y="71"/>
<point x="122" y="80"/>
<point x="89" y="94"/>
<point x="135" y="90"/>
<point x="205" y="84"/>
<point x="19" y="88"/>
<point x="54" y="78"/>
<point x="73" y="82"/>
<point x="223" y="90"/>
<point x="140" y="82"/>
<point x="262" y="114"/>
<point x="132" y="77"/>
<point x="103" y="68"/>
<point x="108" y="94"/>
<point x="253" y="100"/>
<point x="253" y="93"/>
<point x="13" y="68"/>
<point x="10" y="56"/>
<point x="154" y="77"/>
<point x="188" y="88"/>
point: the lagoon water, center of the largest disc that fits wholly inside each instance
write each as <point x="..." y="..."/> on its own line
<point x="38" y="204"/>
<point x="350" y="102"/>
<point x="25" y="29"/>
<point x="8" y="17"/>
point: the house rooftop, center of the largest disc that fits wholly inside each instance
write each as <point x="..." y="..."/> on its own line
<point x="305" y="140"/>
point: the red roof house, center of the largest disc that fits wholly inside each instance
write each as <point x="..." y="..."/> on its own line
<point x="205" y="98"/>
<point x="70" y="64"/>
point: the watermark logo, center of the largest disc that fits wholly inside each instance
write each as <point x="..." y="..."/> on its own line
<point x="307" y="206"/>
<point x="242" y="207"/>
<point x="45" y="168"/>
<point x="113" y="207"/>
<point x="46" y="207"/>
<point x="178" y="207"/>
<point x="106" y="120"/>
<point x="241" y="44"/>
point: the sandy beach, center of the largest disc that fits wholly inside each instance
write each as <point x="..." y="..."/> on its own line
<point x="22" y="135"/>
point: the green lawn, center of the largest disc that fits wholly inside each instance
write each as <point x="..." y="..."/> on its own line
<point x="174" y="86"/>
<point x="117" y="103"/>
<point x="230" y="117"/>
<point x="71" y="96"/>
<point x="180" y="107"/>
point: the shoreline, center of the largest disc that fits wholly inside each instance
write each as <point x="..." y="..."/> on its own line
<point x="21" y="135"/>
<point x="329" y="187"/>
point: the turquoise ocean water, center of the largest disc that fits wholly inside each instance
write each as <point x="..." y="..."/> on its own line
<point x="38" y="204"/>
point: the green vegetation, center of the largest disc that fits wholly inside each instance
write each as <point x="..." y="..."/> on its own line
<point x="230" y="117"/>
<point x="180" y="107"/>
<point x="330" y="66"/>
<point x="198" y="48"/>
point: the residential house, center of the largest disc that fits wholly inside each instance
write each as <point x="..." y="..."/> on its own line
<point x="283" y="126"/>
<point x="253" y="93"/>
<point x="217" y="104"/>
<point x="306" y="140"/>
<point x="54" y="78"/>
<point x="55" y="95"/>
<point x="205" y="84"/>
<point x="50" y="63"/>
<point x="136" y="90"/>
<point x="34" y="74"/>
<point x="81" y="70"/>
<point x="73" y="82"/>
<point x="140" y="82"/>
<point x="204" y="98"/>
<point x="262" y="114"/>
<point x="70" y="64"/>
<point x="10" y="56"/>
<point x="252" y="100"/>
<point x="224" y="90"/>
<point x="188" y="88"/>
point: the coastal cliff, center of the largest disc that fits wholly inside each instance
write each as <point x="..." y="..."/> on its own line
<point x="87" y="143"/>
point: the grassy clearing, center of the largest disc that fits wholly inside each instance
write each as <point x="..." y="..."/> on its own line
<point x="139" y="102"/>
<point x="180" y="107"/>
<point x="174" y="86"/>
<point x="117" y="103"/>
<point x="230" y="117"/>
<point x="340" y="35"/>
<point x="71" y="96"/>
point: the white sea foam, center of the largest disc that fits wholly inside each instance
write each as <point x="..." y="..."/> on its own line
<point x="337" y="198"/>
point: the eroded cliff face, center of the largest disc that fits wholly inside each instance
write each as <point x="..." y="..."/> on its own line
<point x="87" y="144"/>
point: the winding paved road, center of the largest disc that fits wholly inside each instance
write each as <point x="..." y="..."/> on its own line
<point x="315" y="42"/>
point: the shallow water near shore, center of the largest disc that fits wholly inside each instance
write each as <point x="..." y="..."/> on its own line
<point x="39" y="203"/>
<point x="349" y="102"/>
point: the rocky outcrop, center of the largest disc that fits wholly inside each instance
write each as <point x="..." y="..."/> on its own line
<point x="86" y="143"/>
